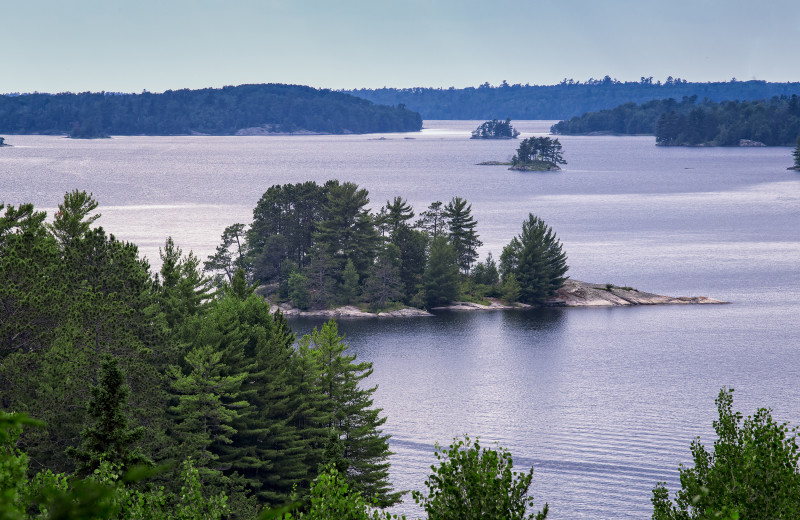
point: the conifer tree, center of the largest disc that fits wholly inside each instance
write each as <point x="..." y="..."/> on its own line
<point x="461" y="231"/>
<point x="536" y="260"/>
<point x="796" y="154"/>
<point x="398" y="212"/>
<point x="72" y="219"/>
<point x="350" y="288"/>
<point x="349" y="408"/>
<point x="440" y="281"/>
<point x="433" y="220"/>
<point x="109" y="437"/>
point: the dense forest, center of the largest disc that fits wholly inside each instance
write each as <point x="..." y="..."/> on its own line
<point x="129" y="395"/>
<point x="773" y="122"/>
<point x="125" y="367"/>
<point x="321" y="246"/>
<point x="225" y="111"/>
<point x="567" y="99"/>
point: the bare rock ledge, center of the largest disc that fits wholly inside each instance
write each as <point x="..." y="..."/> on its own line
<point x="573" y="294"/>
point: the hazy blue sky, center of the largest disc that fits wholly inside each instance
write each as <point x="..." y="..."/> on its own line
<point x="131" y="45"/>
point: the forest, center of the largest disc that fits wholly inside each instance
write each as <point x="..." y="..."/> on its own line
<point x="127" y="394"/>
<point x="773" y="122"/>
<point x="224" y="111"/>
<point x="320" y="246"/>
<point x="567" y="99"/>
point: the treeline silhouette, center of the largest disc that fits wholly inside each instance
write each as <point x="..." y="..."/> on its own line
<point x="568" y="98"/>
<point x="224" y="111"/>
<point x="774" y="122"/>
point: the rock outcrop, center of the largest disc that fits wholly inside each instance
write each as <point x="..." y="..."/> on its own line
<point x="582" y="294"/>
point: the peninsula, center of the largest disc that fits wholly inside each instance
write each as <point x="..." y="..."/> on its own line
<point x="573" y="293"/>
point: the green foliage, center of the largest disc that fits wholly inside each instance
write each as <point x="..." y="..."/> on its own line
<point x="298" y="291"/>
<point x="348" y="410"/>
<point x="230" y="255"/>
<point x="461" y="232"/>
<point x="796" y="154"/>
<point x="567" y="99"/>
<point x="331" y="497"/>
<point x="72" y="219"/>
<point x="471" y="482"/>
<point x="433" y="220"/>
<point x="495" y="129"/>
<point x="383" y="284"/>
<point x="536" y="260"/>
<point x="398" y="213"/>
<point x="510" y="290"/>
<point x="350" y="289"/>
<point x="272" y="107"/>
<point x="538" y="149"/>
<point x="752" y="471"/>
<point x="440" y="281"/>
<point x="109" y="437"/>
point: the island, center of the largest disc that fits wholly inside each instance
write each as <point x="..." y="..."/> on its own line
<point x="535" y="154"/>
<point x="495" y="129"/>
<point x="3" y="142"/>
<point x="573" y="293"/>
<point x="264" y="109"/>
<point x="796" y="155"/>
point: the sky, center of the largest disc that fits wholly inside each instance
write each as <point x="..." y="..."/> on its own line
<point x="156" y="45"/>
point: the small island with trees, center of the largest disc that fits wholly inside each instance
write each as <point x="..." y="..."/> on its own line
<point x="495" y="129"/>
<point x="535" y="154"/>
<point x="3" y="142"/>
<point x="796" y="155"/>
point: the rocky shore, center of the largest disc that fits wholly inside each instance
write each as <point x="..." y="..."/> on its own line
<point x="573" y="294"/>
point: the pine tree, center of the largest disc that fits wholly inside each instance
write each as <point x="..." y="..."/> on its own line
<point x="72" y="219"/>
<point x="536" y="260"/>
<point x="461" y="231"/>
<point x="350" y="288"/>
<point x="109" y="438"/>
<point x="440" y="281"/>
<point x="207" y="404"/>
<point x="433" y="220"/>
<point x="383" y="284"/>
<point x="398" y="212"/>
<point x="796" y="154"/>
<point x="349" y="410"/>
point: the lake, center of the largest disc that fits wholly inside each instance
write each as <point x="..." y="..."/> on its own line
<point x="603" y="403"/>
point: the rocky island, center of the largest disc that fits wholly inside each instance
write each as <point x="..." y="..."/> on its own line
<point x="573" y="293"/>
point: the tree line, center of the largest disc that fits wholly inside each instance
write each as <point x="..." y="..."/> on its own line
<point x="774" y="122"/>
<point x="319" y="246"/>
<point x="125" y="367"/>
<point x="224" y="111"/>
<point x="567" y="99"/>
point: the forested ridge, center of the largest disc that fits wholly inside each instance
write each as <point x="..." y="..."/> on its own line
<point x="223" y="111"/>
<point x="567" y="99"/>
<point x="773" y="122"/>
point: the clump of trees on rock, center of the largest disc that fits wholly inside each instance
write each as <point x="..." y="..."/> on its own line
<point x="495" y="129"/>
<point x="319" y="246"/>
<point x="538" y="154"/>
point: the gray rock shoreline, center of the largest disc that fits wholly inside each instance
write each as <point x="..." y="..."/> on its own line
<point x="574" y="293"/>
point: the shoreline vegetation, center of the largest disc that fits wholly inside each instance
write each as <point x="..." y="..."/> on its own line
<point x="572" y="294"/>
<point x="689" y="122"/>
<point x="276" y="108"/>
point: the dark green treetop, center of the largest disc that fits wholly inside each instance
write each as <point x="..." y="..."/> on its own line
<point x="539" y="149"/>
<point x="536" y="260"/>
<point x="109" y="437"/>
<point x="495" y="129"/>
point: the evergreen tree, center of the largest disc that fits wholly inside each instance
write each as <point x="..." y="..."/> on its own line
<point x="440" y="281"/>
<point x="350" y="288"/>
<point x="207" y="404"/>
<point x="383" y="284"/>
<point x="536" y="260"/>
<point x="109" y="438"/>
<point x="398" y="212"/>
<point x="461" y="231"/>
<point x="796" y="154"/>
<point x="433" y="220"/>
<point x="72" y="219"/>
<point x="230" y="255"/>
<point x="184" y="290"/>
<point x="348" y="230"/>
<point x="413" y="246"/>
<point x="349" y="411"/>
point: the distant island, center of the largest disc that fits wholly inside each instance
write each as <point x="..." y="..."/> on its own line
<point x="495" y="129"/>
<point x="3" y="142"/>
<point x="562" y="101"/>
<point x="771" y="122"/>
<point x="535" y="154"/>
<point x="250" y="109"/>
<point x="796" y="155"/>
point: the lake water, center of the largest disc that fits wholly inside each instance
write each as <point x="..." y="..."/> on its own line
<point x="602" y="402"/>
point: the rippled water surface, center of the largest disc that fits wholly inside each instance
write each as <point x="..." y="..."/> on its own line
<point x="602" y="402"/>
